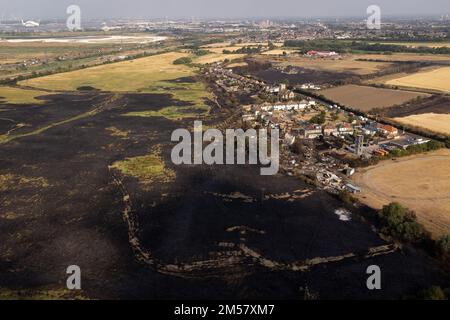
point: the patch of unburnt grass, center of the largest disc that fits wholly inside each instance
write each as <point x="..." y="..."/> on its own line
<point x="10" y="182"/>
<point x="172" y="112"/>
<point x="147" y="169"/>
<point x="116" y="132"/>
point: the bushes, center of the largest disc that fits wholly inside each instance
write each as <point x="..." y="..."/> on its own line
<point x="349" y="46"/>
<point x="443" y="245"/>
<point x="183" y="60"/>
<point x="434" y="293"/>
<point x="319" y="119"/>
<point x="200" y="52"/>
<point x="418" y="148"/>
<point x="397" y="153"/>
<point x="245" y="50"/>
<point x="401" y="223"/>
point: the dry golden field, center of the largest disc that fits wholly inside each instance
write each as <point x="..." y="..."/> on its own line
<point x="437" y="79"/>
<point x="421" y="183"/>
<point x="153" y="74"/>
<point x="220" y="49"/>
<point x="347" y="64"/>
<point x="15" y="95"/>
<point x="435" y="122"/>
<point x="365" y="98"/>
<point x="277" y="52"/>
<point x="217" y="57"/>
<point x="237" y="64"/>
<point x="121" y="76"/>
<point x="404" y="57"/>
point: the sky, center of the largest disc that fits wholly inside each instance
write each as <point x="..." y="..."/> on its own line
<point x="44" y="9"/>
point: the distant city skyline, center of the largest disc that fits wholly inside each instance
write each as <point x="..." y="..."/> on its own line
<point x="103" y="9"/>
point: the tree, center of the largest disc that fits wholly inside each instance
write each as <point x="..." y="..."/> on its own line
<point x="319" y="118"/>
<point x="183" y="60"/>
<point x="401" y="223"/>
<point x="335" y="116"/>
<point x="443" y="244"/>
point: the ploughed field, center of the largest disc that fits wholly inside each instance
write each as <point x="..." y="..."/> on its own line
<point x="365" y="98"/>
<point x="101" y="192"/>
<point x="349" y="64"/>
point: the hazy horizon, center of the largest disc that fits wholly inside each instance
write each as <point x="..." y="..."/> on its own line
<point x="230" y="9"/>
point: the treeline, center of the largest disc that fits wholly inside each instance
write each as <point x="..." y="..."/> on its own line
<point x="400" y="223"/>
<point x="350" y="46"/>
<point x="245" y="50"/>
<point x="397" y="153"/>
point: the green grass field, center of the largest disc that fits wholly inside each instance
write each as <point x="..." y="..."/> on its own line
<point x="172" y="113"/>
<point x="147" y="169"/>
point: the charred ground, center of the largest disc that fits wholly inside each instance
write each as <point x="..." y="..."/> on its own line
<point x="60" y="205"/>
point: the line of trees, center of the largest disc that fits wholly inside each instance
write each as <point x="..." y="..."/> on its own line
<point x="401" y="223"/>
<point x="397" y="153"/>
<point x="349" y="46"/>
<point x="245" y="50"/>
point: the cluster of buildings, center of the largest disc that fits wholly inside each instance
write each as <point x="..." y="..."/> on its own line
<point x="313" y="131"/>
<point x="284" y="116"/>
<point x="386" y="131"/>
<point x="329" y="137"/>
<point x="322" y="54"/>
<point x="349" y="137"/>
<point x="281" y="91"/>
<point x="231" y="82"/>
<point x="310" y="86"/>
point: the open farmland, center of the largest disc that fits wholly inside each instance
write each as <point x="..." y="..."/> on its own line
<point x="154" y="74"/>
<point x="19" y="52"/>
<point x="435" y="122"/>
<point x="348" y="64"/>
<point x="217" y="57"/>
<point x="220" y="49"/>
<point x="420" y="183"/>
<point x="277" y="52"/>
<point x="367" y="98"/>
<point x="437" y="79"/>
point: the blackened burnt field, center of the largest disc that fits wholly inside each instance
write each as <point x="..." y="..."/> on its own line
<point x="68" y="196"/>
